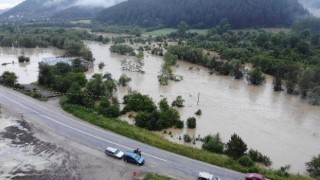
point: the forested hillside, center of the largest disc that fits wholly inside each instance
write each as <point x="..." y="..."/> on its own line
<point x="204" y="13"/>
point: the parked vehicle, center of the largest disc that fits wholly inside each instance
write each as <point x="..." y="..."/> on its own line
<point x="255" y="176"/>
<point x="133" y="158"/>
<point x="207" y="176"/>
<point x="114" y="152"/>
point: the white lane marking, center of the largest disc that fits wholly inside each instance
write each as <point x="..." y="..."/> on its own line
<point x="49" y="118"/>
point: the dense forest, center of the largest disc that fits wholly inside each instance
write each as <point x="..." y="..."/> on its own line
<point x="204" y="13"/>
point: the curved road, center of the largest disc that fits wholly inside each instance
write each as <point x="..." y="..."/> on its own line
<point x="58" y="121"/>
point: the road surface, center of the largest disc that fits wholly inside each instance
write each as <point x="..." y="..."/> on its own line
<point x="55" y="119"/>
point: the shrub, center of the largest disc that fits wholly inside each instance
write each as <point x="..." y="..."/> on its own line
<point x="256" y="156"/>
<point x="313" y="167"/>
<point x="178" y="102"/>
<point x="22" y="59"/>
<point x="124" y="80"/>
<point x="8" y="78"/>
<point x="191" y="122"/>
<point x="199" y="112"/>
<point x="180" y="124"/>
<point x="187" y="138"/>
<point x="101" y="65"/>
<point x="246" y="161"/>
<point x="256" y="77"/>
<point x="213" y="143"/>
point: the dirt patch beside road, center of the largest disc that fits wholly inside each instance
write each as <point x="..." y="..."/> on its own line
<point x="29" y="151"/>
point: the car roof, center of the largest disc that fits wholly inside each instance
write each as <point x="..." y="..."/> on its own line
<point x="255" y="175"/>
<point x="111" y="149"/>
<point x="205" y="175"/>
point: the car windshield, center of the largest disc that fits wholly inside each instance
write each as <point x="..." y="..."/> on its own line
<point x="117" y="151"/>
<point x="136" y="157"/>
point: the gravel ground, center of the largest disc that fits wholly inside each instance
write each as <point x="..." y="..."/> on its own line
<point x="28" y="151"/>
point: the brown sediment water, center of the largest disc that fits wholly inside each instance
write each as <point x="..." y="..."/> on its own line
<point x="284" y="127"/>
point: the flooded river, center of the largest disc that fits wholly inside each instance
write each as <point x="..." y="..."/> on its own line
<point x="281" y="126"/>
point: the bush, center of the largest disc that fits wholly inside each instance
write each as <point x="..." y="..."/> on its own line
<point x="213" y="143"/>
<point x="256" y="156"/>
<point x="256" y="77"/>
<point x="178" y="102"/>
<point x="180" y="124"/>
<point x="246" y="161"/>
<point x="236" y="148"/>
<point x="122" y="49"/>
<point x="187" y="138"/>
<point x="22" y="59"/>
<point x="199" y="112"/>
<point x="124" y="80"/>
<point x="8" y="78"/>
<point x="313" y="167"/>
<point x="138" y="102"/>
<point x="191" y="122"/>
<point x="101" y="65"/>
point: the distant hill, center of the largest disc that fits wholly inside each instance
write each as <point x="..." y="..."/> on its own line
<point x="312" y="5"/>
<point x="35" y="9"/>
<point x="50" y="9"/>
<point x="204" y="13"/>
<point x="77" y="13"/>
<point x="3" y="10"/>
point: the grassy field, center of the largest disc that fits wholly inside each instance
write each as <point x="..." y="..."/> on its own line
<point x="145" y="136"/>
<point x="271" y="30"/>
<point x="150" y="176"/>
<point x="85" y="21"/>
<point x="167" y="31"/>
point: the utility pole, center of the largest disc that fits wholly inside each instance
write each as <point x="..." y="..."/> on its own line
<point x="198" y="99"/>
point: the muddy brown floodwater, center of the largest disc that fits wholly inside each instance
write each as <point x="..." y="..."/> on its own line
<point x="281" y="126"/>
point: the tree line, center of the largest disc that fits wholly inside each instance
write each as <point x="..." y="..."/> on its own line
<point x="203" y="13"/>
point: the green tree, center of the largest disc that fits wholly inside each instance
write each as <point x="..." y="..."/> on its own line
<point x="8" y="78"/>
<point x="124" y="80"/>
<point x="178" y="102"/>
<point x="138" y="102"/>
<point x="305" y="81"/>
<point x="191" y="122"/>
<point x="235" y="147"/>
<point x="183" y="27"/>
<point x="96" y="87"/>
<point x="313" y="96"/>
<point x="213" y="143"/>
<point x="256" y="77"/>
<point x="246" y="161"/>
<point x="313" y="167"/>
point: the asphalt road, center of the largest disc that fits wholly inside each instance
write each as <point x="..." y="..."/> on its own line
<point x="58" y="121"/>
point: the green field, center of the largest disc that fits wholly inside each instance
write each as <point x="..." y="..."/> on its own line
<point x="167" y="31"/>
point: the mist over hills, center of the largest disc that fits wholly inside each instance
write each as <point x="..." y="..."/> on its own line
<point x="63" y="9"/>
<point x="312" y="5"/>
<point x="204" y="13"/>
<point x="167" y="13"/>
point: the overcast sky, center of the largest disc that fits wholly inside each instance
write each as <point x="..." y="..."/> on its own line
<point x="4" y="4"/>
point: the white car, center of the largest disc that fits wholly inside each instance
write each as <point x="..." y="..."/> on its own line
<point x="114" y="152"/>
<point x="207" y="176"/>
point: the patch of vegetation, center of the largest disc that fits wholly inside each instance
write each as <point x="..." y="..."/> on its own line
<point x="23" y="59"/>
<point x="178" y="102"/>
<point x="122" y="49"/>
<point x="313" y="167"/>
<point x="145" y="136"/>
<point x="191" y="122"/>
<point x="150" y="176"/>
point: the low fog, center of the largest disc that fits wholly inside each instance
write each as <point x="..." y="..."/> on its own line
<point x="90" y="3"/>
<point x="312" y="5"/>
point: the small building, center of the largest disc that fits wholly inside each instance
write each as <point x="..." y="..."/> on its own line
<point x="51" y="61"/>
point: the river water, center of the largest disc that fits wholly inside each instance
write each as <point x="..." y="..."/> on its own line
<point x="281" y="126"/>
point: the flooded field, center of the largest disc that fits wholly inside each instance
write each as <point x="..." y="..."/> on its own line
<point x="27" y="72"/>
<point x="283" y="127"/>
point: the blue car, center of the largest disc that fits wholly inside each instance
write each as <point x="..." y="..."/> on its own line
<point x="133" y="158"/>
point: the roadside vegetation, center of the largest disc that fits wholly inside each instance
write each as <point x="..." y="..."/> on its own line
<point x="292" y="58"/>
